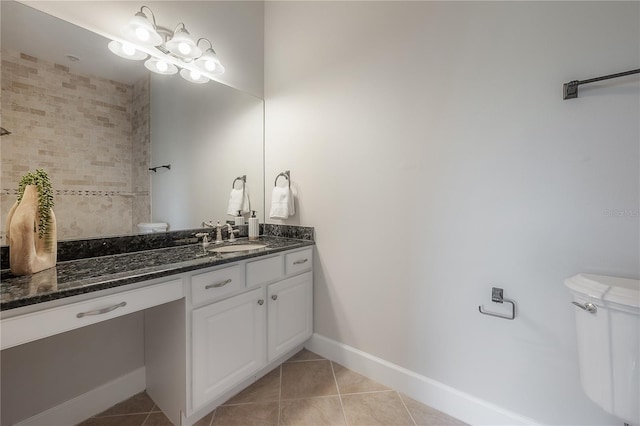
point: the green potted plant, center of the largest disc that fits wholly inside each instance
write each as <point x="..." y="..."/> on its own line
<point x="31" y="226"/>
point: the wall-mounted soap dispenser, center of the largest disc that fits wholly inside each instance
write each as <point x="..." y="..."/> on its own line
<point x="253" y="226"/>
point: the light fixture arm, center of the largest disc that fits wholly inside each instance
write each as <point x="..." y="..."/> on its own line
<point x="184" y="28"/>
<point x="153" y="16"/>
<point x="208" y="41"/>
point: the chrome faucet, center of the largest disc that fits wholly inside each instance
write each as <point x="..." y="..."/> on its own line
<point x="218" y="233"/>
<point x="231" y="232"/>
<point x="205" y="238"/>
<point x="218" y="228"/>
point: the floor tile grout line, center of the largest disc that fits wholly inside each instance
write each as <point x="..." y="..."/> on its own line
<point x="311" y="397"/>
<point x="213" y="416"/>
<point x="305" y="360"/>
<point x="146" y="418"/>
<point x="120" y="415"/>
<point x="368" y="392"/>
<point x="344" y="415"/>
<point x="237" y="404"/>
<point x="406" y="408"/>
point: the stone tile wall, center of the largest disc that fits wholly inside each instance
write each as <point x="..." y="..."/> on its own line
<point x="141" y="158"/>
<point x="88" y="133"/>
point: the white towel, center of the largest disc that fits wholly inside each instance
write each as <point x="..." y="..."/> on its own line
<point x="282" y="203"/>
<point x="239" y="200"/>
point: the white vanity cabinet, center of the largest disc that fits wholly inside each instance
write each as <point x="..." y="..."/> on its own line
<point x="228" y="344"/>
<point x="238" y="321"/>
<point x="290" y="314"/>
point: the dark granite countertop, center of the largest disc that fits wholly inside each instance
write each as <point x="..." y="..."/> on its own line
<point x="81" y="276"/>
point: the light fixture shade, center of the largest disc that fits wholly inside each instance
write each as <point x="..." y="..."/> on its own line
<point x="160" y="67"/>
<point x="183" y="45"/>
<point x="210" y="63"/>
<point x="193" y="76"/>
<point x="140" y="30"/>
<point x="126" y="50"/>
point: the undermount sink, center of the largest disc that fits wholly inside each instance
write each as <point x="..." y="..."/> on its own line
<point x="236" y="247"/>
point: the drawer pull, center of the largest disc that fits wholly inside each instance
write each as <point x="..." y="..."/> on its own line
<point x="274" y="297"/>
<point x="102" y="311"/>
<point x="218" y="285"/>
<point x="300" y="262"/>
<point x="261" y="302"/>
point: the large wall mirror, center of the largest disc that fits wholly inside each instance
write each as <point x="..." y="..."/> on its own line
<point x="97" y="123"/>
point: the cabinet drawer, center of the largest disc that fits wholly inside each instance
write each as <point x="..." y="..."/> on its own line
<point x="298" y="261"/>
<point x="264" y="270"/>
<point x="29" y="327"/>
<point x="215" y="284"/>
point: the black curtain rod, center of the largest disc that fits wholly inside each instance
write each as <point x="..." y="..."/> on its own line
<point x="570" y="89"/>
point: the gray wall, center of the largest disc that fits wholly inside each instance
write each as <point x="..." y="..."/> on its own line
<point x="434" y="155"/>
<point x="42" y="374"/>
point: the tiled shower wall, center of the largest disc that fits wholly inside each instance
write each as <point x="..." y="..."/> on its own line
<point x="91" y="135"/>
<point x="141" y="156"/>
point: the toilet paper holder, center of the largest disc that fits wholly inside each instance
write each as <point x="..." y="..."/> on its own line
<point x="497" y="297"/>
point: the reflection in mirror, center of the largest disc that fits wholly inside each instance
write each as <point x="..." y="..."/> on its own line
<point x="82" y="114"/>
<point x="210" y="137"/>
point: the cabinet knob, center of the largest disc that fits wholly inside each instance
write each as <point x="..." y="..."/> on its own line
<point x="274" y="297"/>
<point x="261" y="302"/>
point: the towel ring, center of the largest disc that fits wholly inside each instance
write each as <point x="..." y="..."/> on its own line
<point x="242" y="178"/>
<point x="286" y="175"/>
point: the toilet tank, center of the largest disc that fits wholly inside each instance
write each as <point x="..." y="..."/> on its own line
<point x="607" y="312"/>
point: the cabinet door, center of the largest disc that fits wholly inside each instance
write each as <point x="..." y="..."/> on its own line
<point x="228" y="344"/>
<point x="290" y="313"/>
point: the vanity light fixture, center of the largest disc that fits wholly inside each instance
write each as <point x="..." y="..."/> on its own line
<point x="160" y="66"/>
<point x="208" y="61"/>
<point x="126" y="50"/>
<point x="167" y="52"/>
<point x="141" y="30"/>
<point x="182" y="44"/>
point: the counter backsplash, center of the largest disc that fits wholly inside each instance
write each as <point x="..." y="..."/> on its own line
<point x="94" y="247"/>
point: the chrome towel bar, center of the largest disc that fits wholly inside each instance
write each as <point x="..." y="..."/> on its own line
<point x="570" y="89"/>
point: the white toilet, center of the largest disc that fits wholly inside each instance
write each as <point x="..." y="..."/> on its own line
<point x="608" y="325"/>
<point x="149" y="228"/>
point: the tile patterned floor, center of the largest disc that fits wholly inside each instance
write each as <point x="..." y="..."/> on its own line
<point x="307" y="390"/>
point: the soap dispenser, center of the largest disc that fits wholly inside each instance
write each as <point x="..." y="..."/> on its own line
<point x="239" y="219"/>
<point x="253" y="226"/>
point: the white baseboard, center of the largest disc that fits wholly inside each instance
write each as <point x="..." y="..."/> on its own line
<point x="90" y="403"/>
<point x="451" y="401"/>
